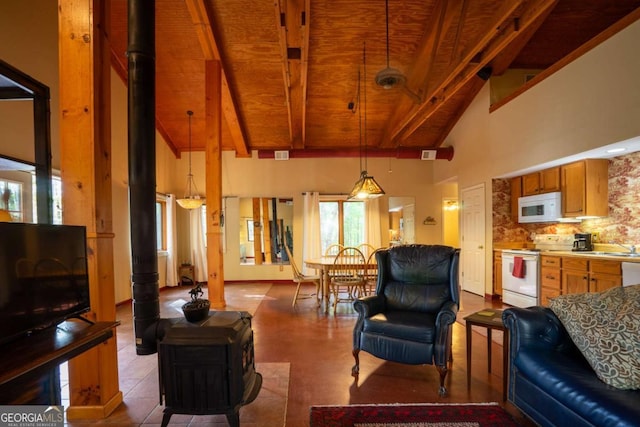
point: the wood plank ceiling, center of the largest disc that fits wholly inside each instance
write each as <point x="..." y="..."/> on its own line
<point x="291" y="71"/>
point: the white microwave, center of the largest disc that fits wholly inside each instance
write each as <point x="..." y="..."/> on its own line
<point x="540" y="208"/>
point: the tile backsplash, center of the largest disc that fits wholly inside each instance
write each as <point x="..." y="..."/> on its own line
<point x="622" y="225"/>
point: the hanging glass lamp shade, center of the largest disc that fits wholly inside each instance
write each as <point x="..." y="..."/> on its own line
<point x="191" y="199"/>
<point x="366" y="188"/>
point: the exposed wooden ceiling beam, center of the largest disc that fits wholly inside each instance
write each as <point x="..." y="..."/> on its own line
<point x="443" y="16"/>
<point x="292" y="18"/>
<point x="499" y="32"/>
<point x="202" y="23"/>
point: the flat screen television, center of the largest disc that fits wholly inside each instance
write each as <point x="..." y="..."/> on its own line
<point x="43" y="276"/>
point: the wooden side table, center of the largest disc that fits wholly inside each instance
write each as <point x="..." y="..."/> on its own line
<point x="489" y="319"/>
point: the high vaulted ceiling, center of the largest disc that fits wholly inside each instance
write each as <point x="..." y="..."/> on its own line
<point x="291" y="67"/>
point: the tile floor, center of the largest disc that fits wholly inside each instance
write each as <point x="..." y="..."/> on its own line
<point x="305" y="358"/>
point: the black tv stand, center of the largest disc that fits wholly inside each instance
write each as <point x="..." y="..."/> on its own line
<point x="84" y="319"/>
<point x="30" y="363"/>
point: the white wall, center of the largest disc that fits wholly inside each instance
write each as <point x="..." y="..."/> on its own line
<point x="593" y="101"/>
<point x="255" y="177"/>
<point x="28" y="42"/>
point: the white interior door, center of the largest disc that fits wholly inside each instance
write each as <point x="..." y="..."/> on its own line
<point x="409" y="217"/>
<point x="472" y="256"/>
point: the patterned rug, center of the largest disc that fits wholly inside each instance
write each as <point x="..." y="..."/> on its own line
<point x="412" y="415"/>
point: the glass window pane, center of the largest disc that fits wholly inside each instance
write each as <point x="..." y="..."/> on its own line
<point x="159" y="223"/>
<point x="329" y="225"/>
<point x="353" y="223"/>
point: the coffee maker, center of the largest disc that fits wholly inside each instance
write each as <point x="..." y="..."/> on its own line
<point x="582" y="242"/>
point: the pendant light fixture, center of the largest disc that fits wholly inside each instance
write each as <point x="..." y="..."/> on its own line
<point x="366" y="187"/>
<point x="191" y="198"/>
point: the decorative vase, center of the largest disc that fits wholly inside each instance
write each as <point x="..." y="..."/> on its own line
<point x="196" y="310"/>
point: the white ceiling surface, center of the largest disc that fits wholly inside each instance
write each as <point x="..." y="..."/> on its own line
<point x="606" y="152"/>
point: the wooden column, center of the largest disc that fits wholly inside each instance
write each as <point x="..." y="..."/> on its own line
<point x="213" y="167"/>
<point x="85" y="147"/>
<point x="266" y="231"/>
<point x="258" y="226"/>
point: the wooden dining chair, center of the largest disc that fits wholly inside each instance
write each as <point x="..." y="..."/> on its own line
<point x="300" y="278"/>
<point x="367" y="249"/>
<point x="347" y="276"/>
<point x="371" y="273"/>
<point x="333" y="249"/>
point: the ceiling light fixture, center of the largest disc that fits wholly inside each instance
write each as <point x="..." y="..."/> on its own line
<point x="389" y="77"/>
<point x="366" y="187"/>
<point x="191" y="200"/>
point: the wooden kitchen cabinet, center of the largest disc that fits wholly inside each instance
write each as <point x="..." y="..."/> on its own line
<point x="545" y="181"/>
<point x="550" y="278"/>
<point x="581" y="275"/>
<point x="497" y="272"/>
<point x="575" y="275"/>
<point x="604" y="274"/>
<point x="585" y="188"/>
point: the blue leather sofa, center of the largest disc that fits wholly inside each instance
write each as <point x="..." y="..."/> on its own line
<point x="552" y="383"/>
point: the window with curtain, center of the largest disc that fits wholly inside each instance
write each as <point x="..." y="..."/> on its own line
<point x="161" y="224"/>
<point x="342" y="222"/>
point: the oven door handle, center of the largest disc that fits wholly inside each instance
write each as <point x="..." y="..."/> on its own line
<point x="510" y="258"/>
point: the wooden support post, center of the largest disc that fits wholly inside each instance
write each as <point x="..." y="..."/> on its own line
<point x="213" y="171"/>
<point x="257" y="232"/>
<point x="266" y="227"/>
<point x="85" y="147"/>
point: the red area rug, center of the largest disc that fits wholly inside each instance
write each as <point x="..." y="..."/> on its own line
<point x="412" y="415"/>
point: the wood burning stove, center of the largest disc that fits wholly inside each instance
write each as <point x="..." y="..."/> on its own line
<point x="208" y="367"/>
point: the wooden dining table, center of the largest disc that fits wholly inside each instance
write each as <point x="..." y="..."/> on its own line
<point x="325" y="265"/>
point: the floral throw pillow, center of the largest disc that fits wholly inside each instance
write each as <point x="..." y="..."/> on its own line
<point x="605" y="327"/>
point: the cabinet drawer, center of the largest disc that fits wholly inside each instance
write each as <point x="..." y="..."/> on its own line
<point x="550" y="261"/>
<point x="569" y="263"/>
<point x="546" y="293"/>
<point x="550" y="277"/>
<point x="605" y="266"/>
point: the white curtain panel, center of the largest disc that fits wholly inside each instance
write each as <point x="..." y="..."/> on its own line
<point x="372" y="223"/>
<point x="311" y="247"/>
<point x="198" y="249"/>
<point x="172" y="261"/>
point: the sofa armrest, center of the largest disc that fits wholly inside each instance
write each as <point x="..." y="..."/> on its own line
<point x="535" y="328"/>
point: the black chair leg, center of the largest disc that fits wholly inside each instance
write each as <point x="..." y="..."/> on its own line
<point x="442" y="370"/>
<point x="355" y="371"/>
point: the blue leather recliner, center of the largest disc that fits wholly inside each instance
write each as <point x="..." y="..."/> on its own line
<point x="552" y="383"/>
<point x="409" y="319"/>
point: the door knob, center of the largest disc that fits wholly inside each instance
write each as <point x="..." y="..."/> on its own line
<point x="480" y="247"/>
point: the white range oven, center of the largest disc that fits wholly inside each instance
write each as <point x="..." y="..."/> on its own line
<point x="524" y="291"/>
<point x="522" y="288"/>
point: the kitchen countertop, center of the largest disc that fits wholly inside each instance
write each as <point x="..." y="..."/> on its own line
<point x="592" y="255"/>
<point x="598" y="253"/>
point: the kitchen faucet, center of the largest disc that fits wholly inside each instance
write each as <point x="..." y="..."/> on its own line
<point x="630" y="248"/>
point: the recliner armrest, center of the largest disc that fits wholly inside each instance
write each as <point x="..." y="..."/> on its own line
<point x="447" y="314"/>
<point x="369" y="305"/>
<point x="536" y="328"/>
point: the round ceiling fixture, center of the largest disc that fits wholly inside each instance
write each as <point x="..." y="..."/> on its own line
<point x="390" y="77"/>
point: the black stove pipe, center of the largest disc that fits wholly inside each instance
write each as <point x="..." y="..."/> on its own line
<point x="142" y="169"/>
